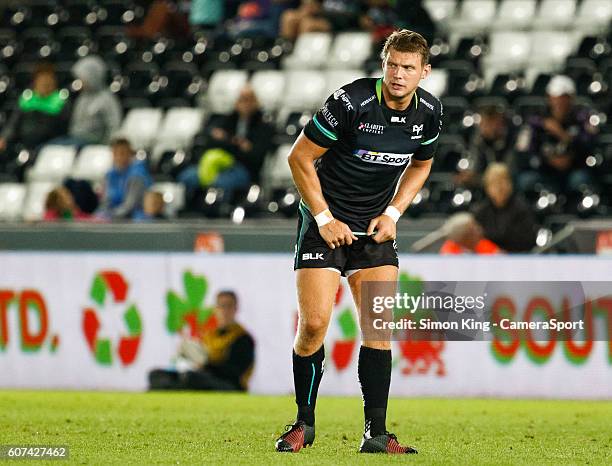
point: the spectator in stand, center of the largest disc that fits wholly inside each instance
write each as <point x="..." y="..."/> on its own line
<point x="235" y="150"/>
<point x="558" y="142"/>
<point x="41" y="114"/>
<point x="308" y="17"/>
<point x="206" y="13"/>
<point x="60" y="205"/>
<point x="97" y="111"/>
<point x="380" y="18"/>
<point x="504" y="216"/>
<point x="153" y="207"/>
<point x="252" y="19"/>
<point x="223" y="359"/>
<point x="125" y="184"/>
<point x="165" y="18"/>
<point x="465" y="236"/>
<point x="414" y="16"/>
<point x="492" y="141"/>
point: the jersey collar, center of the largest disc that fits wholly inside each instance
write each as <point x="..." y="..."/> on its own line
<point x="379" y="95"/>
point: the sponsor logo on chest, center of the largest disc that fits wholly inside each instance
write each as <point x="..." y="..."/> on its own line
<point x="383" y="158"/>
<point x="371" y="128"/>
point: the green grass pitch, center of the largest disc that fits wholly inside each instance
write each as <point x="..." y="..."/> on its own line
<point x="204" y="428"/>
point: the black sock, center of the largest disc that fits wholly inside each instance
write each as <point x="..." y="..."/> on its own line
<point x="375" y="378"/>
<point x="307" y="374"/>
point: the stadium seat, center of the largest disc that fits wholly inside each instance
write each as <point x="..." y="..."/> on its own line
<point x="350" y="50"/>
<point x="184" y="80"/>
<point x="508" y="51"/>
<point x="141" y="126"/>
<point x="12" y="197"/>
<point x="475" y="17"/>
<point x="268" y="86"/>
<point x="76" y="42"/>
<point x="335" y="79"/>
<point x="53" y="163"/>
<point x="38" y="43"/>
<point x="113" y="44"/>
<point x="436" y="82"/>
<point x="173" y="194"/>
<point x="278" y="173"/>
<point x="80" y="13"/>
<point x="555" y="14"/>
<point x="550" y="49"/>
<point x="10" y="48"/>
<point x="93" y="162"/>
<point x="441" y="11"/>
<point x="594" y="16"/>
<point x="141" y="79"/>
<point x="180" y="126"/>
<point x="43" y="13"/>
<point x="310" y="51"/>
<point x="305" y="90"/>
<point x="34" y="206"/>
<point x="223" y="90"/>
<point x="514" y="15"/>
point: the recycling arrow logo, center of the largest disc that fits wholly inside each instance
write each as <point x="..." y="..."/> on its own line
<point x="110" y="287"/>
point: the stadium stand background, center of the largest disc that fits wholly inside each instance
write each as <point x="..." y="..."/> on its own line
<point x="484" y="51"/>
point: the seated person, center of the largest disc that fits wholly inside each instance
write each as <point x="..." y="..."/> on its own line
<point x="153" y="207"/>
<point x="464" y="236"/>
<point x="558" y="142"/>
<point x="125" y="184"/>
<point x="222" y="361"/>
<point x="235" y="152"/>
<point x="41" y="114"/>
<point x="504" y="216"/>
<point x="60" y="205"/>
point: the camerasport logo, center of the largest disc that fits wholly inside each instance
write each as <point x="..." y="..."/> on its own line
<point x="189" y="310"/>
<point x="112" y="312"/>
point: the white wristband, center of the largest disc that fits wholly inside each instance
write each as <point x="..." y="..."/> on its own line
<point x="393" y="213"/>
<point x="323" y="218"/>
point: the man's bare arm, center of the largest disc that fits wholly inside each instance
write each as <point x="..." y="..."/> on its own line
<point x="410" y="184"/>
<point x="301" y="161"/>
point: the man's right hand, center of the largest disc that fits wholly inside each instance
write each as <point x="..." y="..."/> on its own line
<point x="336" y="234"/>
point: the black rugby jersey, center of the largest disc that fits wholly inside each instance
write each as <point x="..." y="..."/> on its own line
<point x="370" y="146"/>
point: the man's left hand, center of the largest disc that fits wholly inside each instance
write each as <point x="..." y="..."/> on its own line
<point x="385" y="226"/>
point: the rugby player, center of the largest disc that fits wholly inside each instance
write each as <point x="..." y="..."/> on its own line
<point x="358" y="164"/>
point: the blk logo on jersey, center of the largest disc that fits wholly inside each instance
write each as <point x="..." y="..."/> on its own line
<point x="311" y="256"/>
<point x="396" y="119"/>
<point x="384" y="158"/>
<point x="371" y="128"/>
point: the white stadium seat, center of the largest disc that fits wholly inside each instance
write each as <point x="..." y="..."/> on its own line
<point x="173" y="194"/>
<point x="53" y="163"/>
<point x="268" y="86"/>
<point x="180" y="126"/>
<point x="93" y="162"/>
<point x="441" y="11"/>
<point x="310" y="51"/>
<point x="335" y="79"/>
<point x="594" y="16"/>
<point x="550" y="49"/>
<point x="350" y="50"/>
<point x="141" y="126"/>
<point x="279" y="173"/>
<point x="304" y="91"/>
<point x="36" y="197"/>
<point x="555" y="14"/>
<point x="508" y="51"/>
<point x="12" y="197"/>
<point x="224" y="89"/>
<point x="514" y="14"/>
<point x="475" y="17"/>
<point x="436" y="82"/>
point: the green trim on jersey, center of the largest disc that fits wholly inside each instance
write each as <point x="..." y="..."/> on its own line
<point x="323" y="130"/>
<point x="431" y="140"/>
<point x="379" y="94"/>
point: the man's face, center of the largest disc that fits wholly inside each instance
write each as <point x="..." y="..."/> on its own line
<point x="122" y="156"/>
<point x="560" y="105"/>
<point x="44" y="83"/>
<point x="247" y="102"/>
<point x="492" y="126"/>
<point x="499" y="189"/>
<point x="225" y="309"/>
<point x="402" y="72"/>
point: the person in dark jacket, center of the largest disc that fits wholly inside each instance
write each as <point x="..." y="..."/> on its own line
<point x="42" y="113"/>
<point x="236" y="149"/>
<point x="223" y="360"/>
<point x="504" y="216"/>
